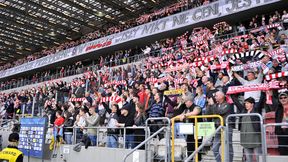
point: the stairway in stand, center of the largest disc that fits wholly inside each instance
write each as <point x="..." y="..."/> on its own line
<point x="237" y="148"/>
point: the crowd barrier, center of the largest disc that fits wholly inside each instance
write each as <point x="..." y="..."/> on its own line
<point x="161" y="145"/>
<point x="195" y="134"/>
<point x="157" y="144"/>
<point x="276" y="139"/>
<point x="246" y="143"/>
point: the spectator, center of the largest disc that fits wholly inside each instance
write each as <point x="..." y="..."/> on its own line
<point x="250" y="137"/>
<point x="281" y="115"/>
<point x="139" y="121"/>
<point x="251" y="79"/>
<point x="200" y="99"/>
<point x="126" y="119"/>
<point x="112" y="133"/>
<point x="68" y="132"/>
<point x="220" y="107"/>
<point x="190" y="109"/>
<point x="92" y="121"/>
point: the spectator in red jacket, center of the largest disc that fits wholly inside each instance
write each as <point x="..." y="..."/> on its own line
<point x="58" y="131"/>
<point x="142" y="95"/>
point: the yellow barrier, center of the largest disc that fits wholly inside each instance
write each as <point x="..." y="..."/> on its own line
<point x="196" y="134"/>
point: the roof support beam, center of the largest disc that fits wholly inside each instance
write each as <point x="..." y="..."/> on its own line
<point x="59" y="13"/>
<point x="73" y="4"/>
<point x="30" y="27"/>
<point x="16" y="33"/>
<point x="37" y="19"/>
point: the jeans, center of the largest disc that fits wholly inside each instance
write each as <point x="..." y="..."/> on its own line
<point x="249" y="152"/>
<point x="93" y="139"/>
<point x="112" y="141"/>
<point x="217" y="144"/>
<point x="129" y="141"/>
<point x="68" y="138"/>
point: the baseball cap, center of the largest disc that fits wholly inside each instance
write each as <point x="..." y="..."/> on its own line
<point x="283" y="93"/>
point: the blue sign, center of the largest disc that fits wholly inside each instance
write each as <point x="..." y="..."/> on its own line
<point x="32" y="136"/>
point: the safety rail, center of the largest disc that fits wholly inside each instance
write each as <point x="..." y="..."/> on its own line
<point x="144" y="142"/>
<point x="168" y="130"/>
<point x="5" y="123"/>
<point x="204" y="143"/>
<point x="74" y="141"/>
<point x="196" y="133"/>
<point x="262" y="131"/>
<point x="283" y="136"/>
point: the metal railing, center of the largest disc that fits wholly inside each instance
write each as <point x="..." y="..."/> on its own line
<point x="165" y="122"/>
<point x="145" y="142"/>
<point x="196" y="133"/>
<point x="74" y="141"/>
<point x="276" y="135"/>
<point x="262" y="132"/>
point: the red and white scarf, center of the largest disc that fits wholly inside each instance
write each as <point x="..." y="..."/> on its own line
<point x="111" y="99"/>
<point x="224" y="65"/>
<point x="76" y="83"/>
<point x="276" y="75"/>
<point x="153" y="80"/>
<point x="230" y="51"/>
<point x="254" y="87"/>
<point x="161" y="65"/>
<point x="122" y="82"/>
<point x="77" y="99"/>
<point x="246" y="66"/>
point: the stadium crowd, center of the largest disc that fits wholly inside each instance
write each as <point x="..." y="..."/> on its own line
<point x="157" y="14"/>
<point x="221" y="31"/>
<point x="210" y="75"/>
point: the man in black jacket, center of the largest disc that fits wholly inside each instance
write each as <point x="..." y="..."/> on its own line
<point x="126" y="119"/>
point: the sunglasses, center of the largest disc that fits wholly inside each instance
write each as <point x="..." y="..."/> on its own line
<point x="281" y="98"/>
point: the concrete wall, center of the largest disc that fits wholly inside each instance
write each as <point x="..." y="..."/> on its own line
<point x="92" y="154"/>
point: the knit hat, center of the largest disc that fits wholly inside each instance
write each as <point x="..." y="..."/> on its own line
<point x="13" y="137"/>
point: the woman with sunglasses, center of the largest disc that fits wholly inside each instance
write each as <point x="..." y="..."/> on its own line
<point x="282" y="117"/>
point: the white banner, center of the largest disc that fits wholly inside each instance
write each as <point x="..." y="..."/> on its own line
<point x="186" y="18"/>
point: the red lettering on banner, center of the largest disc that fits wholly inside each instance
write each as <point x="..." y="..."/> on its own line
<point x="99" y="45"/>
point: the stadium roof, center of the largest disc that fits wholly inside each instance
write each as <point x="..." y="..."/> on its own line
<point x="29" y="26"/>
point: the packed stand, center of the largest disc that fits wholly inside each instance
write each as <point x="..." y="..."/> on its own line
<point x="169" y="10"/>
<point x="212" y="76"/>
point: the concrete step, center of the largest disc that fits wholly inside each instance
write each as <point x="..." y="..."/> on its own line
<point x="236" y="154"/>
<point x="204" y="160"/>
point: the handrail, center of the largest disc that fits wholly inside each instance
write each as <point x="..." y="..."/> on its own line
<point x="261" y="128"/>
<point x="144" y="142"/>
<point x="97" y="128"/>
<point x="6" y="121"/>
<point x="196" y="132"/>
<point x="147" y="134"/>
<point x="265" y="142"/>
<point x="203" y="144"/>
